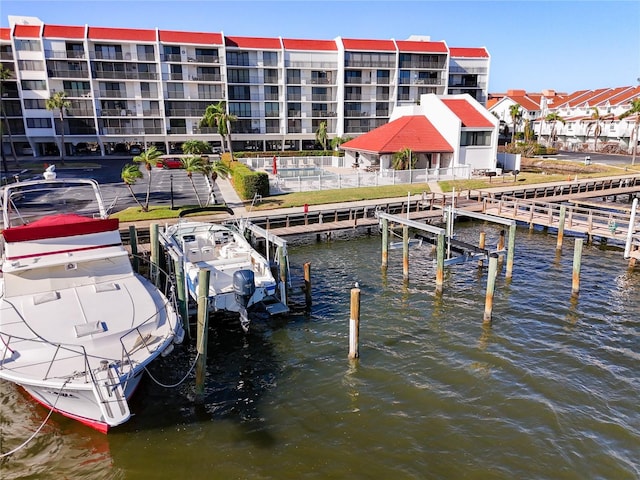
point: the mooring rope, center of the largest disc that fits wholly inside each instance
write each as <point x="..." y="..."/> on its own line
<point x="181" y="381"/>
<point x="33" y="435"/>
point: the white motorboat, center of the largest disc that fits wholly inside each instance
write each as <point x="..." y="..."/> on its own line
<point x="78" y="326"/>
<point x="240" y="277"/>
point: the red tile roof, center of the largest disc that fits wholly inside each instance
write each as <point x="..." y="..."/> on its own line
<point x="413" y="131"/>
<point x="196" y="38"/>
<point x="5" y="34"/>
<point x="480" y="52"/>
<point x="424" y="47"/>
<point x="122" y="34"/>
<point x="63" y="31"/>
<point x="526" y="103"/>
<point x="300" y="44"/>
<point x="369" y="45"/>
<point x="467" y="113"/>
<point x="27" y="31"/>
<point x="261" y="43"/>
<point x="625" y="96"/>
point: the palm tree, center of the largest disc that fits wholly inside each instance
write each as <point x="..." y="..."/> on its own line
<point x="193" y="165"/>
<point x="634" y="110"/>
<point x="595" y="121"/>
<point x="148" y="158"/>
<point x="321" y="135"/>
<point x="336" y="141"/>
<point x="215" y="115"/>
<point x="130" y="175"/>
<point x="516" y="115"/>
<point x="195" y="147"/>
<point x="58" y="101"/>
<point x="215" y="169"/>
<point x="6" y="74"/>
<point x="553" y="118"/>
<point x="404" y="160"/>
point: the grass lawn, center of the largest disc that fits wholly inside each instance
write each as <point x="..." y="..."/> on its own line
<point x="321" y="197"/>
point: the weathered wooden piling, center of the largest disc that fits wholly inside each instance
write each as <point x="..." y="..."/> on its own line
<point x="282" y="262"/>
<point x="511" y="251"/>
<point x="491" y="283"/>
<point x="481" y="243"/>
<point x="354" y="324"/>
<point x="307" y="286"/>
<point x="204" y="277"/>
<point x="577" y="258"/>
<point x="385" y="242"/>
<point x="501" y="240"/>
<point x="405" y="252"/>
<point x="133" y="241"/>
<point x="181" y="294"/>
<point x="155" y="251"/>
<point x="561" y="220"/>
<point x="440" y="262"/>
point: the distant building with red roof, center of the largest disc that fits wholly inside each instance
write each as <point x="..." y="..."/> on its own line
<point x="578" y="115"/>
<point x="453" y="134"/>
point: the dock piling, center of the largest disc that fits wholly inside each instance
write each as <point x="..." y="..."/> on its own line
<point x="405" y="252"/>
<point x="354" y="324"/>
<point x="385" y="242"/>
<point x="133" y="242"/>
<point x="440" y="262"/>
<point x="481" y="242"/>
<point x="511" y="250"/>
<point x="307" y="286"/>
<point x="204" y="277"/>
<point x="577" y="258"/>
<point x="561" y="220"/>
<point x="491" y="283"/>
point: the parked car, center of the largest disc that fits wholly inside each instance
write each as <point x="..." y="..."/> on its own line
<point x="169" y="163"/>
<point x="135" y="150"/>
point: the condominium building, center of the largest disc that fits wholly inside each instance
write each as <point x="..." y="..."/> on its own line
<point x="151" y="86"/>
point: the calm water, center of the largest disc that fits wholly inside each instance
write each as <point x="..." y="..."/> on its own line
<point x="550" y="390"/>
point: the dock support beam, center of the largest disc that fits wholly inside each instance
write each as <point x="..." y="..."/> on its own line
<point x="204" y="277"/>
<point x="577" y="258"/>
<point x="282" y="262"/>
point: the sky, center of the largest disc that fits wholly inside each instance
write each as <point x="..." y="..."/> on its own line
<point x="534" y="45"/>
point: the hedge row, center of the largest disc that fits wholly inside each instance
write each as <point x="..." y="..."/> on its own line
<point x="248" y="182"/>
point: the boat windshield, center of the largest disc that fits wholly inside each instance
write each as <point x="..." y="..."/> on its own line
<point x="25" y="202"/>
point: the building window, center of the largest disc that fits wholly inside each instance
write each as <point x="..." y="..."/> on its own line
<point x="28" y="45"/>
<point x="36" y="65"/>
<point x="271" y="109"/>
<point x="239" y="92"/>
<point x="238" y="58"/>
<point x="293" y="76"/>
<point x="240" y="109"/>
<point x="34" y="85"/>
<point x="475" y="139"/>
<point x="270" y="59"/>
<point x="239" y="75"/>
<point x="35" y="104"/>
<point x="39" y="122"/>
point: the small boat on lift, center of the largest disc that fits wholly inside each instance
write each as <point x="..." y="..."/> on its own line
<point x="241" y="278"/>
<point x="78" y="326"/>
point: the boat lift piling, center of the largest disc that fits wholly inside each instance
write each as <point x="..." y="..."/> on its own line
<point x="133" y="241"/>
<point x="307" y="286"/>
<point x="577" y="258"/>
<point x="203" y="332"/>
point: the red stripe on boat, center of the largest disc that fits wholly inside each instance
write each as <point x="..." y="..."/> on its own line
<point x="57" y="226"/>
<point x="43" y="254"/>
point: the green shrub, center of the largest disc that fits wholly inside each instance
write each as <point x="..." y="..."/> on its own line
<point x="248" y="182"/>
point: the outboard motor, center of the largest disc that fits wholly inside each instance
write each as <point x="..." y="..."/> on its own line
<point x="243" y="286"/>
